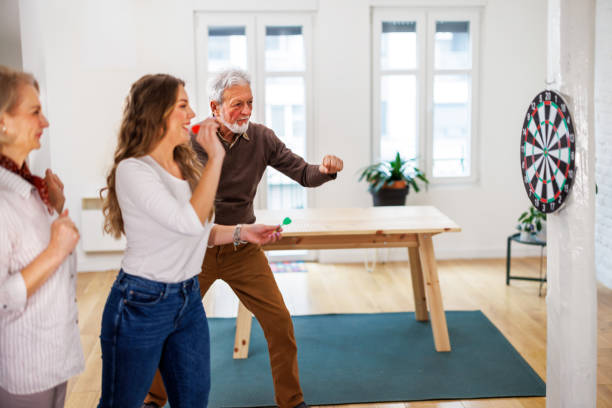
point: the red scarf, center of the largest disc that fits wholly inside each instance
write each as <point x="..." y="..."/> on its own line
<point x="24" y="172"/>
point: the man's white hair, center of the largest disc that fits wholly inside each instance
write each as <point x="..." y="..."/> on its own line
<point x="225" y="79"/>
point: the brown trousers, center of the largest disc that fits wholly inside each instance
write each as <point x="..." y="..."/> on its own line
<point x="247" y="272"/>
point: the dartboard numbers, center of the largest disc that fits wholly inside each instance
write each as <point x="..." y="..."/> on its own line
<point x="547" y="151"/>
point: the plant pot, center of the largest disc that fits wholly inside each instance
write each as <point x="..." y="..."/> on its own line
<point x="527" y="236"/>
<point x="396" y="185"/>
<point x="389" y="196"/>
<point x="542" y="234"/>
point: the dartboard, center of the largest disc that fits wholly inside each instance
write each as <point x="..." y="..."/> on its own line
<point x="547" y="151"/>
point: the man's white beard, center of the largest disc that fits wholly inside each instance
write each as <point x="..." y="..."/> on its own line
<point x="235" y="127"/>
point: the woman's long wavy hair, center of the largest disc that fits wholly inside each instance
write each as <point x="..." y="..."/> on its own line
<point x="148" y="105"/>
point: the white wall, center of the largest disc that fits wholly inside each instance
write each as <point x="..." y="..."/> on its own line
<point x="571" y="300"/>
<point x="10" y="36"/>
<point x="603" y="140"/>
<point x="91" y="52"/>
<point x="513" y="59"/>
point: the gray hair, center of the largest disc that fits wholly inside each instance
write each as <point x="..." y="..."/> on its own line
<point x="226" y="79"/>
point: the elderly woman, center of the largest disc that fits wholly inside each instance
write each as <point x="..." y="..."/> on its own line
<point x="40" y="348"/>
<point x="159" y="196"/>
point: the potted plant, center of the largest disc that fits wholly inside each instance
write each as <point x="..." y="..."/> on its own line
<point x="531" y="222"/>
<point x="390" y="180"/>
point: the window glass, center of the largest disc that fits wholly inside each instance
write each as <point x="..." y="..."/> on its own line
<point x="285" y="114"/>
<point x="284" y="49"/>
<point x="398" y="45"/>
<point x="451" y="126"/>
<point x="227" y="47"/>
<point x="298" y="115"/>
<point x="398" y="116"/>
<point x="452" y="45"/>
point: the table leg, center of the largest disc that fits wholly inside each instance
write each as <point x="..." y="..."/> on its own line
<point x="418" y="287"/>
<point x="434" y="295"/>
<point x="243" y="332"/>
<point x="508" y="257"/>
<point x="541" y="261"/>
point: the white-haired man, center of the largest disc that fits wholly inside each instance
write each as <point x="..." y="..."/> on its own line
<point x="250" y="148"/>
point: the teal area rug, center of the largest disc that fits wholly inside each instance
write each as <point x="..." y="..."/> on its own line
<point x="353" y="358"/>
<point x="288" y="266"/>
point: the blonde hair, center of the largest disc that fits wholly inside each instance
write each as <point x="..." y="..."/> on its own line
<point x="147" y="107"/>
<point x="10" y="82"/>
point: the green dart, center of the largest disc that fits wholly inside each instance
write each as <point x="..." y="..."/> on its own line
<point x="286" y="221"/>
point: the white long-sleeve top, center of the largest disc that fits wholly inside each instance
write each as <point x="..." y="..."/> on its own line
<point x="166" y="241"/>
<point x="40" y="345"/>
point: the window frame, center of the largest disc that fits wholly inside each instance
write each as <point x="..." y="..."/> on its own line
<point x="255" y="25"/>
<point x="255" y="31"/>
<point x="425" y="71"/>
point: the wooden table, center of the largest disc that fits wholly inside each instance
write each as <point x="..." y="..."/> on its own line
<point x="375" y="227"/>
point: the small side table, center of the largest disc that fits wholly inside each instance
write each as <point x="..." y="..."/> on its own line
<point x="541" y="244"/>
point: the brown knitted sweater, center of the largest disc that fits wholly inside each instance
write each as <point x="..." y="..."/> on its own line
<point x="244" y="165"/>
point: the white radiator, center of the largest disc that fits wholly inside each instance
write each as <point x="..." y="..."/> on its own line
<point x="93" y="238"/>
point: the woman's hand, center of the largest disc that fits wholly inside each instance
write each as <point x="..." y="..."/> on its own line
<point x="260" y="233"/>
<point x="207" y="138"/>
<point x="64" y="236"/>
<point x="203" y="196"/>
<point x="56" y="190"/>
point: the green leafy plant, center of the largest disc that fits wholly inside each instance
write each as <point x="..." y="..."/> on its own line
<point x="531" y="220"/>
<point x="387" y="172"/>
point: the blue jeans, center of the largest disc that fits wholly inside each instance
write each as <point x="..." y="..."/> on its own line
<point x="146" y="325"/>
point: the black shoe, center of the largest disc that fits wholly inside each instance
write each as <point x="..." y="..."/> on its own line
<point x="301" y="405"/>
<point x="150" y="405"/>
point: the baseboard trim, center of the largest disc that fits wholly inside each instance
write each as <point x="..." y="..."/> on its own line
<point x="400" y="254"/>
<point x="98" y="263"/>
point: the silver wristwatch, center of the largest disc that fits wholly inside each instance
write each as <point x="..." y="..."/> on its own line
<point x="236" y="236"/>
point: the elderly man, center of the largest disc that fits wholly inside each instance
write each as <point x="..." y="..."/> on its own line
<point x="250" y="148"/>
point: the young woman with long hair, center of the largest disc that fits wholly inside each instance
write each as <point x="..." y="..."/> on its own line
<point x="161" y="198"/>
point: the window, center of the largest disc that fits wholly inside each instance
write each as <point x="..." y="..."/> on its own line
<point x="274" y="50"/>
<point x="424" y="63"/>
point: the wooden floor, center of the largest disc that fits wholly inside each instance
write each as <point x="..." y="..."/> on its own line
<point x="516" y="310"/>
